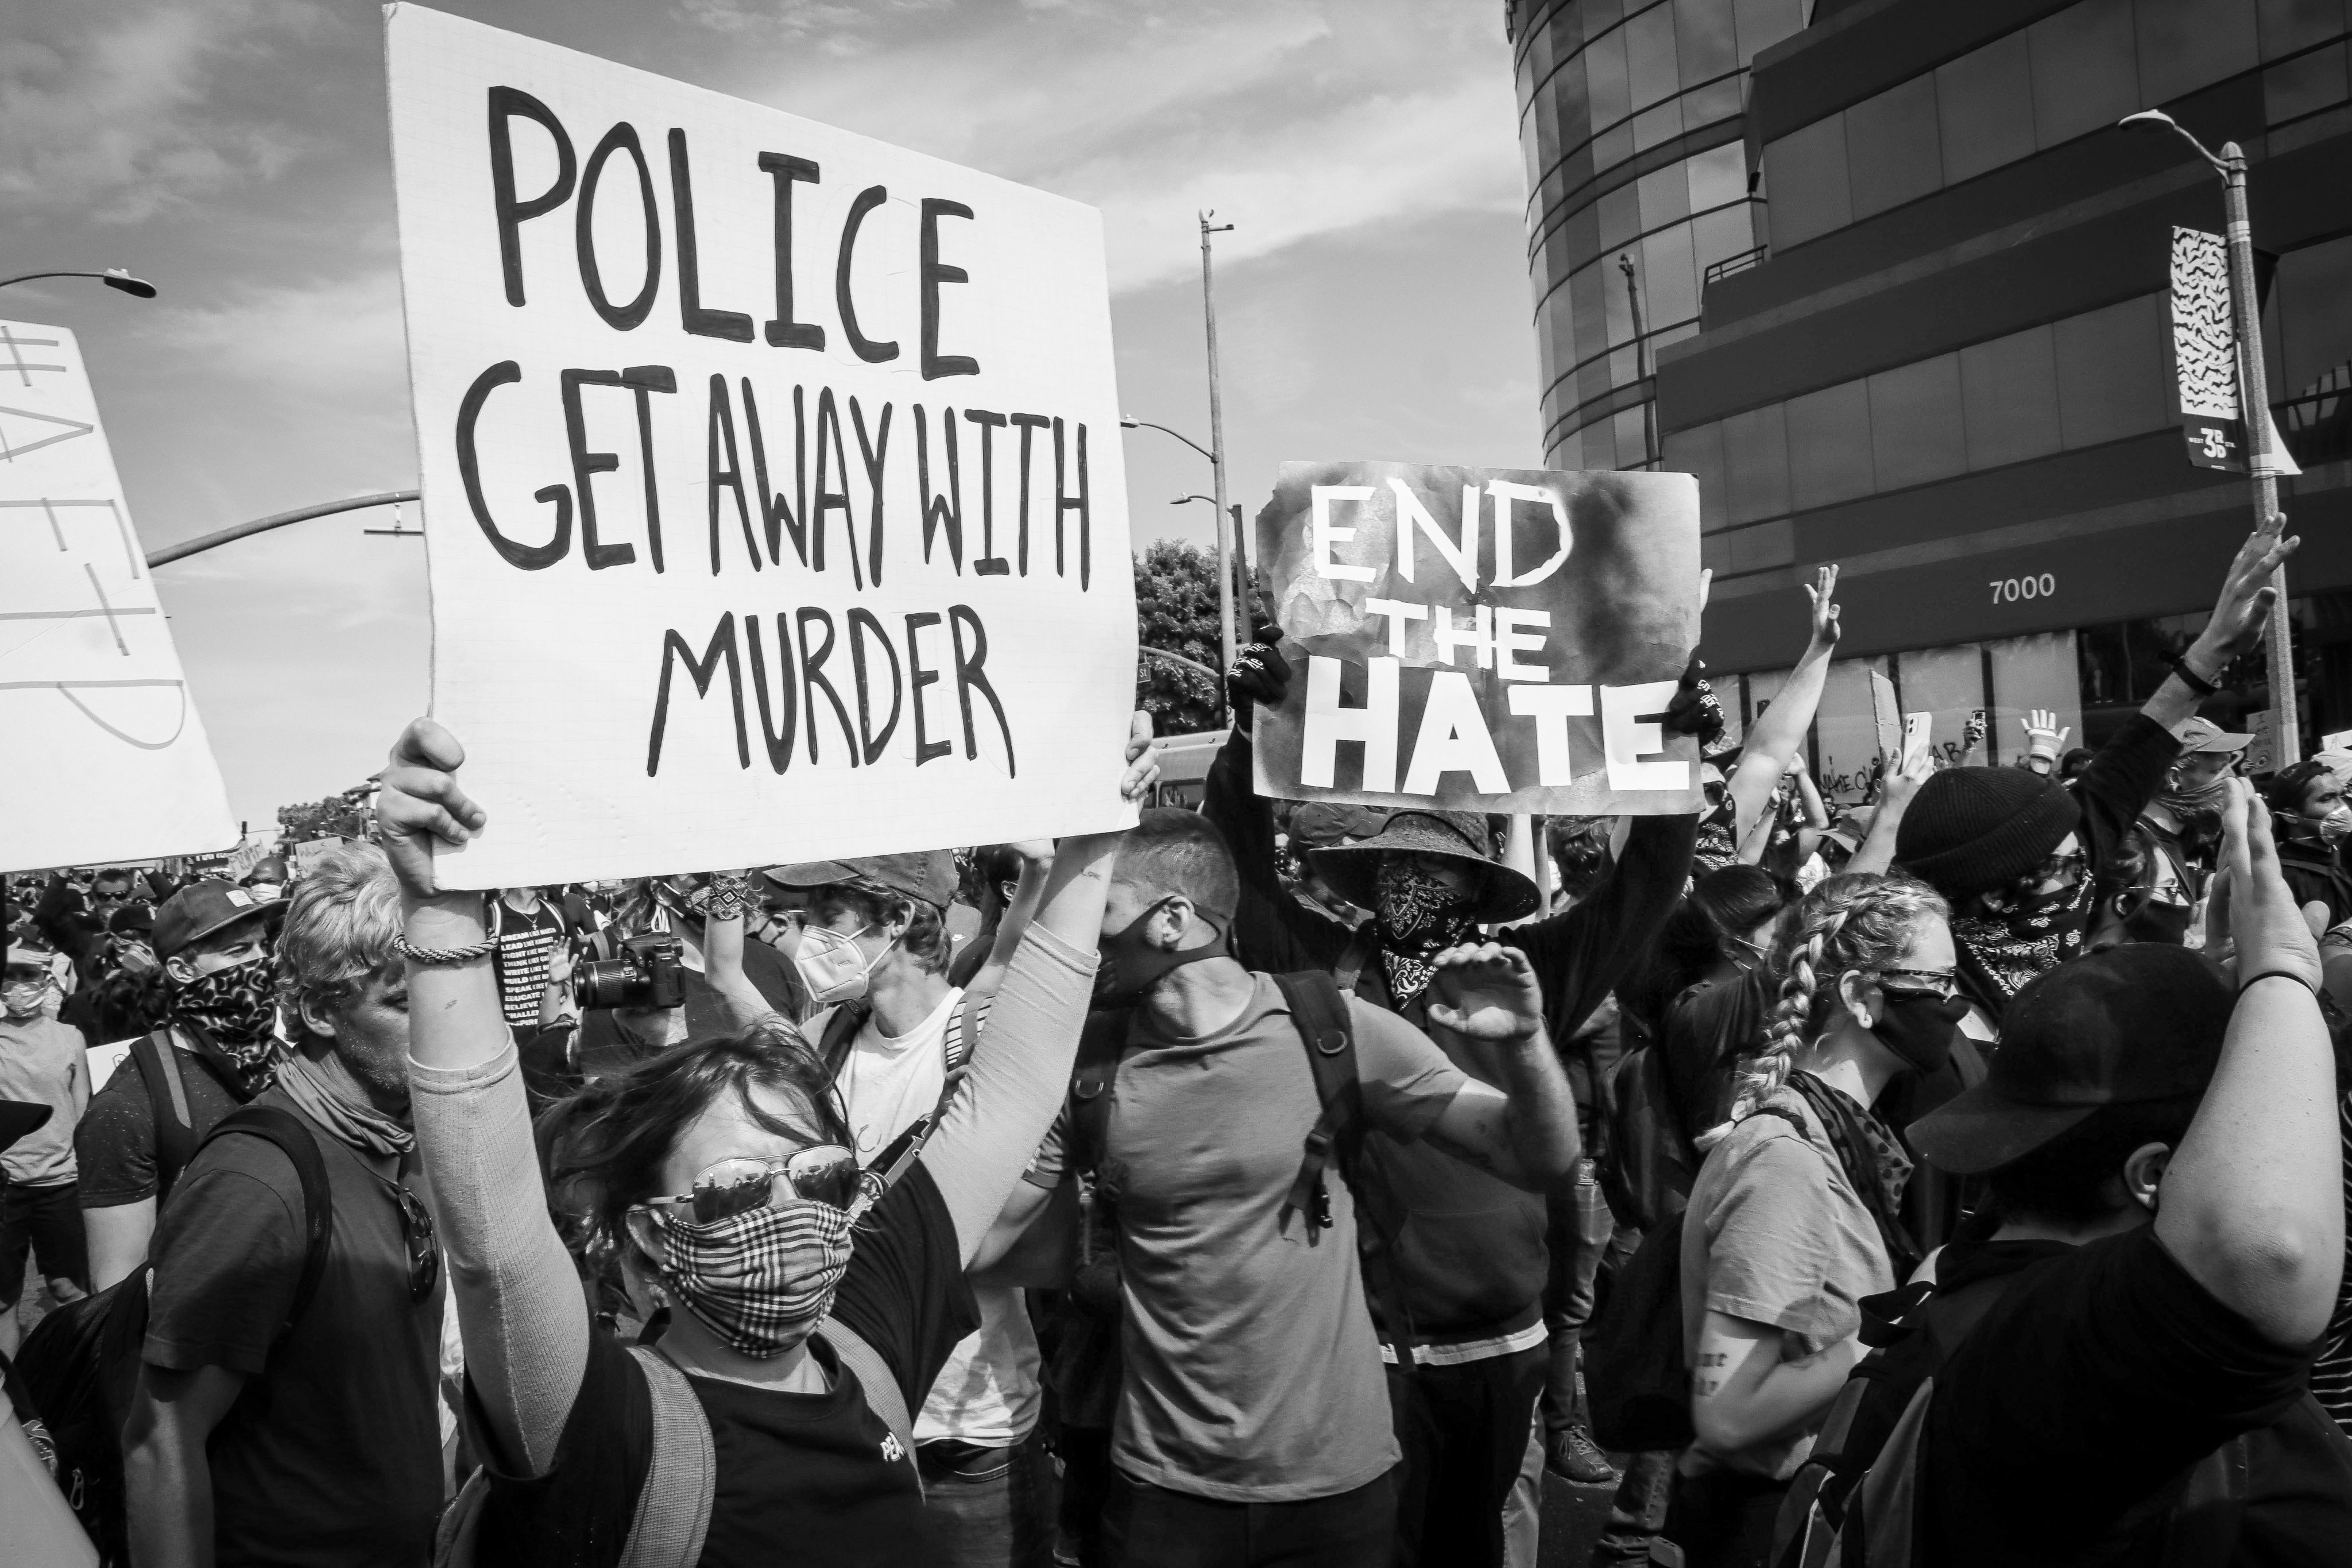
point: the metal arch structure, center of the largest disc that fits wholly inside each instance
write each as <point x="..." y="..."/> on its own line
<point x="187" y="547"/>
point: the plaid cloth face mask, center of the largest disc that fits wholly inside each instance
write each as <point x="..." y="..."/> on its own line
<point x="762" y="1279"/>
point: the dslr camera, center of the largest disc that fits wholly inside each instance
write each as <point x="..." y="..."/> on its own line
<point x="645" y="972"/>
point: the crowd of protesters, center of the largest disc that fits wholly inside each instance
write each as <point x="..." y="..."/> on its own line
<point x="1957" y="1181"/>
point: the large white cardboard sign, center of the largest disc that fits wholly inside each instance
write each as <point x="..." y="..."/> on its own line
<point x="771" y="477"/>
<point x="109" y="760"/>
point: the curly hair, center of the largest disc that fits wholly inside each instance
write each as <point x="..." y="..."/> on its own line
<point x="1853" y="922"/>
<point x="340" y="922"/>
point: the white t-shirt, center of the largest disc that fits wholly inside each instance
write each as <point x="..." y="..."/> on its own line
<point x="988" y="1391"/>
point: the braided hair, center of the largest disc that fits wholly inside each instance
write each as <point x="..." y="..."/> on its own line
<point x="1853" y="922"/>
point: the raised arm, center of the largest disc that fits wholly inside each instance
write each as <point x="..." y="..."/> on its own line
<point x="2250" y="1205"/>
<point x="722" y="965"/>
<point x="1524" y="1132"/>
<point x="2234" y="629"/>
<point x="1028" y="894"/>
<point x="1780" y="731"/>
<point x="1877" y="849"/>
<point x="518" y="1298"/>
<point x="1021" y="1068"/>
<point x="1271" y="931"/>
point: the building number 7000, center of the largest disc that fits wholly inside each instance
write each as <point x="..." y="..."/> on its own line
<point x="2010" y="590"/>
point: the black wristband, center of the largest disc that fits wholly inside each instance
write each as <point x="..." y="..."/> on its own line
<point x="2188" y="677"/>
<point x="2280" y="975"/>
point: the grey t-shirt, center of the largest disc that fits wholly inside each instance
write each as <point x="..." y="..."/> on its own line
<point x="1252" y="1371"/>
<point x="1776" y="1234"/>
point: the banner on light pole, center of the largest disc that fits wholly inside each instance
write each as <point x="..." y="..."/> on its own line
<point x="2205" y="357"/>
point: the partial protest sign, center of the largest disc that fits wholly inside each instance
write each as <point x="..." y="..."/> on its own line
<point x="1481" y="639"/>
<point x="772" y="489"/>
<point x="91" y="685"/>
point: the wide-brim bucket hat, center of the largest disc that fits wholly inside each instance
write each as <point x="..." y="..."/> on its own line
<point x="1353" y="871"/>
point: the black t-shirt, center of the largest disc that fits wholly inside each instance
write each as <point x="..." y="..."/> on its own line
<point x="808" y="1477"/>
<point x="2064" y="1424"/>
<point x="114" y="1145"/>
<point x="332" y="1452"/>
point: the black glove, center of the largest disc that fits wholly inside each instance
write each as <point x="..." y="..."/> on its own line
<point x="1260" y="675"/>
<point x="1694" y="710"/>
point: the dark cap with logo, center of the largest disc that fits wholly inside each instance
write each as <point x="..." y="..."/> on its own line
<point x="930" y="875"/>
<point x="2137" y="1024"/>
<point x="201" y="908"/>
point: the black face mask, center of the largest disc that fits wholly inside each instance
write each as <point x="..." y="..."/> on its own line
<point x="1920" y="1028"/>
<point x="1130" y="966"/>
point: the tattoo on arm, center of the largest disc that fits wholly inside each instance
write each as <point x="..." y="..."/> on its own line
<point x="1710" y="1379"/>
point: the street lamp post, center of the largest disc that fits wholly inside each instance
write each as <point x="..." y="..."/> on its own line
<point x="1217" y="446"/>
<point x="2254" y="405"/>
<point x="114" y="277"/>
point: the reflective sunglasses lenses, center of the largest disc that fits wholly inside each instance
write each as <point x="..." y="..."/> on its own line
<point x="827" y="1174"/>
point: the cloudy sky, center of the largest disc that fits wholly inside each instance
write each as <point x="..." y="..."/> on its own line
<point x="1373" y="296"/>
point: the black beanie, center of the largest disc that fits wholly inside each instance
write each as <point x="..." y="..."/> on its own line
<point x="1972" y="829"/>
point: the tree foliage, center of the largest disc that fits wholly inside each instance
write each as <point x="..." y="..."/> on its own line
<point x="1176" y="611"/>
<point x="342" y="816"/>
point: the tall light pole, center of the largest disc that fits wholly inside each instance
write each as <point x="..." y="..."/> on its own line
<point x="2255" y="407"/>
<point x="1217" y="445"/>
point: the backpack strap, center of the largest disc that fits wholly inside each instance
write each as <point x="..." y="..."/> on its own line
<point x="674" y="1508"/>
<point x="1321" y="1013"/>
<point x="1318" y="1009"/>
<point x="883" y="1394"/>
<point x="1101" y="1042"/>
<point x="293" y="1139"/>
<point x="167" y="1097"/>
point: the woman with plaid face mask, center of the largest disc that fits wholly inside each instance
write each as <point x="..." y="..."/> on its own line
<point x="796" y="1306"/>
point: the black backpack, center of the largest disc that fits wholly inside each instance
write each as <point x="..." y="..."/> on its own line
<point x="80" y="1365"/>
<point x="1636" y="1374"/>
<point x="1855" y="1502"/>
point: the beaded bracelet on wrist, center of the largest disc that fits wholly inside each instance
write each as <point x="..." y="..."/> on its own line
<point x="410" y="950"/>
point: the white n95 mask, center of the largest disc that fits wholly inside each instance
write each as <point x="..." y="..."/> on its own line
<point x="832" y="966"/>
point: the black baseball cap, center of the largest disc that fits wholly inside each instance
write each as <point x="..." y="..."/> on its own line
<point x="929" y="874"/>
<point x="2138" y="1024"/>
<point x="201" y="908"/>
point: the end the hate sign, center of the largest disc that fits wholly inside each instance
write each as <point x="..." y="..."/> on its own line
<point x="773" y="485"/>
<point x="1481" y="639"/>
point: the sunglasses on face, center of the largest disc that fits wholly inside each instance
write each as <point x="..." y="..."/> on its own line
<point x="1942" y="984"/>
<point x="826" y="1174"/>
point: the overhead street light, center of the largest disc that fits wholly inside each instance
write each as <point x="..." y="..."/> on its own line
<point x="1128" y="423"/>
<point x="114" y="277"/>
<point x="2254" y="405"/>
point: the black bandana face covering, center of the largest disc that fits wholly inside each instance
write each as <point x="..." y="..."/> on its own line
<point x="1419" y="917"/>
<point x="232" y="1010"/>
